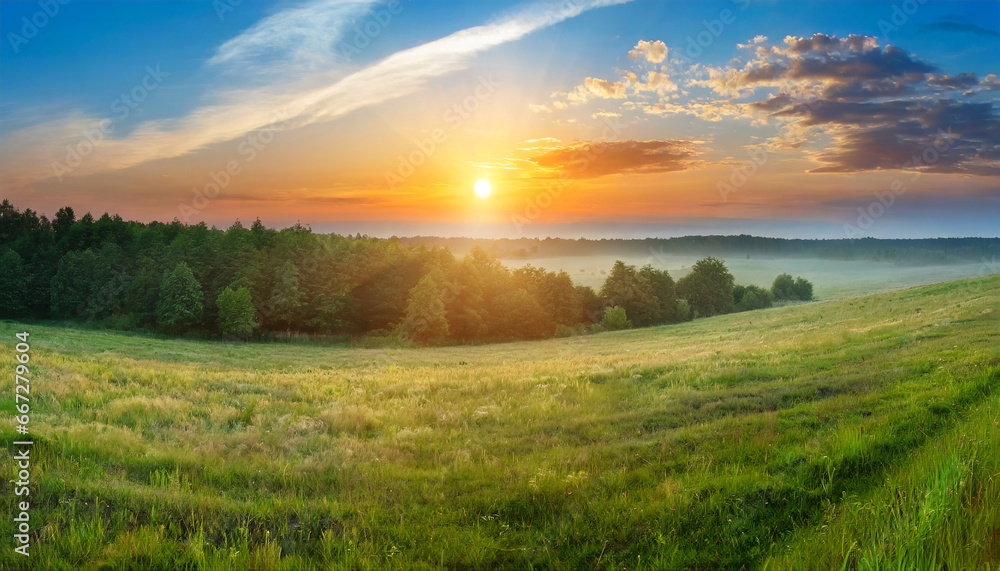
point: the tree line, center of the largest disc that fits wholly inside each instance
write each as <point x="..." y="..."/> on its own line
<point x="902" y="251"/>
<point x="261" y="282"/>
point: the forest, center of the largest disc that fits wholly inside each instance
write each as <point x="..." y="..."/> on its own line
<point x="259" y="282"/>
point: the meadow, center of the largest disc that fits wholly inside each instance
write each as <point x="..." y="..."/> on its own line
<point x="859" y="433"/>
<point x="833" y="279"/>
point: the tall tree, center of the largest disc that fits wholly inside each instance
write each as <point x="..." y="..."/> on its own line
<point x="284" y="308"/>
<point x="13" y="284"/>
<point x="237" y="315"/>
<point x="520" y="316"/>
<point x="426" y="319"/>
<point x="180" y="305"/>
<point x="783" y="287"/>
<point x="708" y="288"/>
<point x="665" y="291"/>
<point x="624" y="287"/>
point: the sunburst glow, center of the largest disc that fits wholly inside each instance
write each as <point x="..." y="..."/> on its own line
<point x="483" y="188"/>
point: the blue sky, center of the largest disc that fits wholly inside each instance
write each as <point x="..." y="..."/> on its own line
<point x="352" y="121"/>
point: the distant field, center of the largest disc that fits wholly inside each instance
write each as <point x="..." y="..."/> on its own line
<point x="861" y="434"/>
<point x="832" y="279"/>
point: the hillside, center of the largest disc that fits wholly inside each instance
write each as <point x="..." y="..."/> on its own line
<point x="858" y="432"/>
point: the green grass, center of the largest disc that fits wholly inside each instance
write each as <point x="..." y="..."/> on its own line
<point x="860" y="434"/>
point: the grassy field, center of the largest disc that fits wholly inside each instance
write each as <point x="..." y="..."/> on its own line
<point x="861" y="434"/>
<point x="833" y="279"/>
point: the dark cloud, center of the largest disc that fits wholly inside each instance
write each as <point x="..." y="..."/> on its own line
<point x="822" y="43"/>
<point x="871" y="64"/>
<point x="774" y="103"/>
<point x="961" y="27"/>
<point x="960" y="81"/>
<point x="851" y="113"/>
<point x="592" y="160"/>
<point x="881" y="107"/>
<point x="943" y="136"/>
<point x="854" y="68"/>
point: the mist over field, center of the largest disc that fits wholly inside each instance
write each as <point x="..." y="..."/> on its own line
<point x="833" y="279"/>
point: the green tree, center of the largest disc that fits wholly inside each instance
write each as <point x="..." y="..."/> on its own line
<point x="616" y="318"/>
<point x="665" y="291"/>
<point x="591" y="304"/>
<point x="13" y="284"/>
<point x="88" y="283"/>
<point x="464" y="302"/>
<point x="625" y="287"/>
<point x="237" y="314"/>
<point x="285" y="304"/>
<point x="803" y="289"/>
<point x="783" y="288"/>
<point x="426" y="319"/>
<point x="683" y="311"/>
<point x="751" y="297"/>
<point x="520" y="316"/>
<point x="180" y="304"/>
<point x="708" y="289"/>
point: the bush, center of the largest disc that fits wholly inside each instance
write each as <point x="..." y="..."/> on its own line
<point x="803" y="289"/>
<point x="785" y="288"/>
<point x="748" y="298"/>
<point x="616" y="319"/>
<point x="683" y="310"/>
<point x="782" y="288"/>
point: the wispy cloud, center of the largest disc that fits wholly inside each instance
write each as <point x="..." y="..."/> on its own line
<point x="961" y="27"/>
<point x="305" y="36"/>
<point x="288" y="69"/>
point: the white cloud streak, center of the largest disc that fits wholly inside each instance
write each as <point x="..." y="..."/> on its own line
<point x="294" y="40"/>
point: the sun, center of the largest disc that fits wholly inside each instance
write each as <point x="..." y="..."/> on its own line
<point x="483" y="188"/>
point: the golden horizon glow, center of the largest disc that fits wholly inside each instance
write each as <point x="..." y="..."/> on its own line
<point x="483" y="188"/>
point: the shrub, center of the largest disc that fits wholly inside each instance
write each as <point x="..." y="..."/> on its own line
<point x="683" y="310"/>
<point x="616" y="319"/>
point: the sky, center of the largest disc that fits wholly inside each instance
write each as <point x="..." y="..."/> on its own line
<point x="587" y="118"/>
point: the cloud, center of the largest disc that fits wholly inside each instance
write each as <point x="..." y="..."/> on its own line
<point x="594" y="88"/>
<point x="272" y="56"/>
<point x="653" y="52"/>
<point x="305" y="36"/>
<point x="960" y="27"/>
<point x="592" y="160"/>
<point x="878" y="108"/>
<point x="990" y="83"/>
<point x="953" y="82"/>
<point x="943" y="136"/>
<point x="853" y="68"/>
<point x="658" y="82"/>
<point x="755" y="41"/>
<point x="847" y="103"/>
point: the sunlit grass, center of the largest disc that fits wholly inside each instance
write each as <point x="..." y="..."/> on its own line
<point x="860" y="433"/>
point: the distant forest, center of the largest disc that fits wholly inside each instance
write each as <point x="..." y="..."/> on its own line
<point x="263" y="283"/>
<point x="901" y="251"/>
